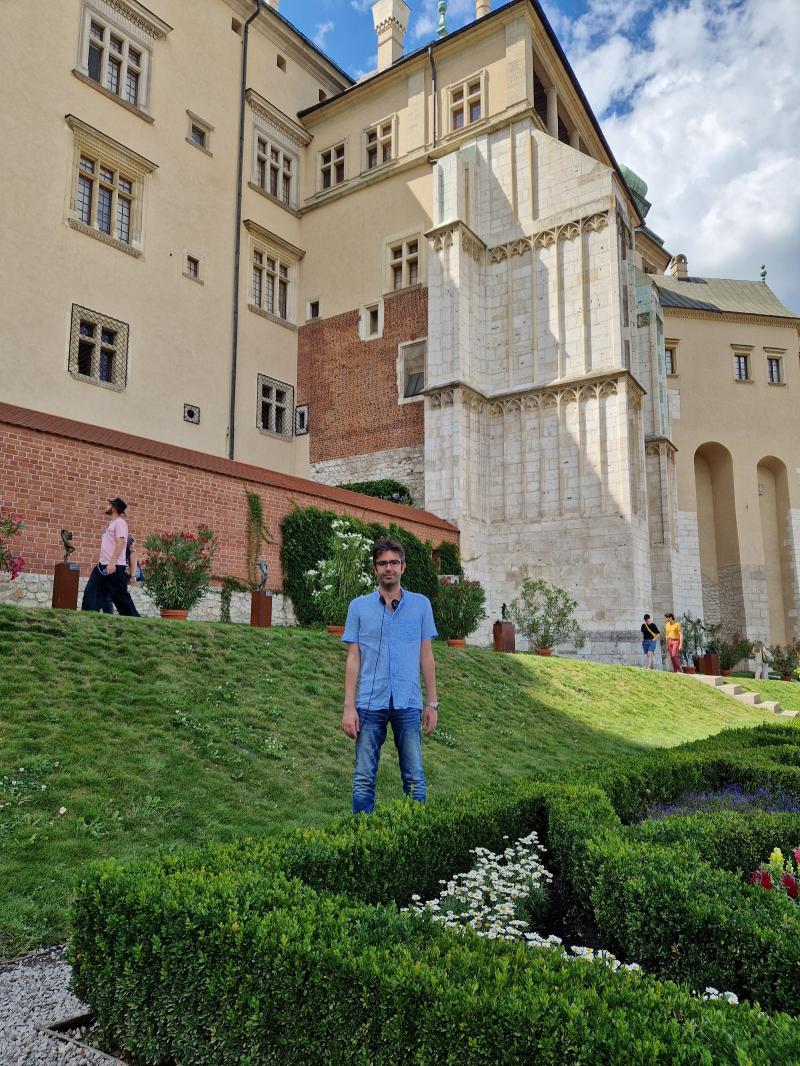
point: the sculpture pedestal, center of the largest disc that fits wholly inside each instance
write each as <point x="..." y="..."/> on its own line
<point x="65" y="586"/>
<point x="504" y="636"/>
<point x="709" y="664"/>
<point x="261" y="609"/>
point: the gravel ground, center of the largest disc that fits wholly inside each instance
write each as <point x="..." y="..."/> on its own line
<point x="34" y="991"/>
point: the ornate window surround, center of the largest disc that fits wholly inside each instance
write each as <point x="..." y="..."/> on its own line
<point x="100" y="322"/>
<point x="281" y="132"/>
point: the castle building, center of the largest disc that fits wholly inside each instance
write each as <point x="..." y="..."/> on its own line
<point x="438" y="274"/>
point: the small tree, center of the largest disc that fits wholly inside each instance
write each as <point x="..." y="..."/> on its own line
<point x="694" y="638"/>
<point x="458" y="608"/>
<point x="341" y="577"/>
<point x="545" y="615"/>
<point x="177" y="568"/>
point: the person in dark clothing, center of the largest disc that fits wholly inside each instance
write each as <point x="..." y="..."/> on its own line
<point x="650" y="635"/>
<point x="109" y="579"/>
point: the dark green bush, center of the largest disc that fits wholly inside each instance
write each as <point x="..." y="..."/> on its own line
<point x="307" y="538"/>
<point x="458" y="608"/>
<point x="383" y="489"/>
<point x="450" y="559"/>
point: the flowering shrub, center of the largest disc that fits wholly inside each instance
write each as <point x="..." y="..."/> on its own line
<point x="458" y="608"/>
<point x="783" y="660"/>
<point x="10" y="525"/>
<point x="177" y="568"/>
<point x="341" y="577"/>
<point x="779" y="873"/>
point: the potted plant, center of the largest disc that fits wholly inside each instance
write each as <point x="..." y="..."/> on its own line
<point x="545" y="615"/>
<point x="783" y="660"/>
<point x="177" y="569"/>
<point x="10" y="526"/>
<point x="343" y="576"/>
<point x="693" y="641"/>
<point x="731" y="652"/>
<point x="458" y="609"/>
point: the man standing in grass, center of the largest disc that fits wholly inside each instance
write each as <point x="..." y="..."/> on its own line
<point x="389" y="633"/>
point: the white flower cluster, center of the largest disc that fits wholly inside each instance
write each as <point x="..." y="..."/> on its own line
<point x="489" y="899"/>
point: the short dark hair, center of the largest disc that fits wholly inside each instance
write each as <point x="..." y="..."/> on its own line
<point x="646" y="617"/>
<point x="386" y="544"/>
<point x="669" y="614"/>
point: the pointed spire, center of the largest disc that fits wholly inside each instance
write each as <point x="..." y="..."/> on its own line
<point x="441" y="30"/>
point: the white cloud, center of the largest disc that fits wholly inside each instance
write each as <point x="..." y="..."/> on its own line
<point x="700" y="99"/>
<point x="361" y="6"/>
<point x="321" y="32"/>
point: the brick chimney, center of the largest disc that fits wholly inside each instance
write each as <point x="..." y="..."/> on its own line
<point x="679" y="266"/>
<point x="482" y="7"/>
<point x="391" y="19"/>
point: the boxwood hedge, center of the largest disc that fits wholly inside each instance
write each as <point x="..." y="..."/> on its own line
<point x="292" y="949"/>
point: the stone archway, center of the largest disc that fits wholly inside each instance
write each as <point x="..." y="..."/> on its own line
<point x="773" y="500"/>
<point x="720" y="561"/>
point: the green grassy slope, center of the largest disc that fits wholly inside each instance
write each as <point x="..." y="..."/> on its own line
<point x="152" y="734"/>
<point x="786" y="693"/>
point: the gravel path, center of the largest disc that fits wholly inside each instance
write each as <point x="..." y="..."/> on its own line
<point x="34" y="991"/>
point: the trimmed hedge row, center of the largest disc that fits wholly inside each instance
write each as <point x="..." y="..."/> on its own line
<point x="291" y="950"/>
<point x="382" y="489"/>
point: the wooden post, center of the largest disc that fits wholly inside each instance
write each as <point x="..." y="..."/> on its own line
<point x="261" y="609"/>
<point x="65" y="586"/>
<point x="504" y="636"/>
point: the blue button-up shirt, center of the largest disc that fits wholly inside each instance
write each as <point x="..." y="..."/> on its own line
<point x="389" y="642"/>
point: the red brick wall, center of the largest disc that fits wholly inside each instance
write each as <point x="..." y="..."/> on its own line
<point x="350" y="385"/>
<point x="58" y="474"/>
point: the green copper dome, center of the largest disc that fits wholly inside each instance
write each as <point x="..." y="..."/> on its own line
<point x="638" y="188"/>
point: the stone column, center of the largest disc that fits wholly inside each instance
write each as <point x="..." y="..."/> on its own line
<point x="575" y="140"/>
<point x="552" y="111"/>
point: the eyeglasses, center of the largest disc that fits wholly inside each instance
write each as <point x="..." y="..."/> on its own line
<point x="389" y="562"/>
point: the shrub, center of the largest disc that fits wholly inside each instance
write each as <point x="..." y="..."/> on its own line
<point x="731" y="652"/>
<point x="783" y="660"/>
<point x="177" y="568"/>
<point x="382" y="489"/>
<point x="10" y="526"/>
<point x="449" y="559"/>
<point x="458" y="608"/>
<point x="341" y="577"/>
<point x="545" y="615"/>
<point x="420" y="575"/>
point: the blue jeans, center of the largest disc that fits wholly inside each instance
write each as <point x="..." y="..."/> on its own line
<point x="405" y="724"/>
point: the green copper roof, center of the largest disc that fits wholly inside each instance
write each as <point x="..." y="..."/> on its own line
<point x="720" y="294"/>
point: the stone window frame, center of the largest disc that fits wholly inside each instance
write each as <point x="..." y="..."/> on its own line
<point x="263" y="166"/>
<point x="672" y="346"/>
<point x="200" y="125"/>
<point x="412" y="360"/>
<point x="197" y="275"/>
<point x="467" y="101"/>
<point x="137" y="28"/>
<point x="301" y="422"/>
<point x="107" y="154"/>
<point x="329" y="159"/>
<point x="275" y="405"/>
<point x="775" y="355"/>
<point x="286" y="267"/>
<point x="84" y="317"/>
<point x="368" y="313"/>
<point x="742" y="352"/>
<point x="381" y="140"/>
<point x="312" y="310"/>
<point x="409" y="262"/>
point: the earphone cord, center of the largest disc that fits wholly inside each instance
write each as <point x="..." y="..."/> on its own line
<point x="377" y="657"/>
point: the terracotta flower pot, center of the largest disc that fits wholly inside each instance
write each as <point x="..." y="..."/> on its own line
<point x="454" y="643"/>
<point x="543" y="651"/>
<point x="335" y="631"/>
<point x="726" y="673"/>
<point x="786" y="677"/>
<point x="689" y="670"/>
<point x="176" y="616"/>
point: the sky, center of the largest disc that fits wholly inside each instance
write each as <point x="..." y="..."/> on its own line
<point x="701" y="98"/>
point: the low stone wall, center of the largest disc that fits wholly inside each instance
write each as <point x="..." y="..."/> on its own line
<point x="36" y="590"/>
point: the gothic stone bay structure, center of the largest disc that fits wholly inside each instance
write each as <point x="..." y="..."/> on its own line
<point x="443" y="277"/>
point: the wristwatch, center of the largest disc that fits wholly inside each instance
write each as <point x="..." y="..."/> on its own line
<point x="433" y="706"/>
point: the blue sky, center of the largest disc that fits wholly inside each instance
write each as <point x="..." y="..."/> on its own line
<point x="699" y="97"/>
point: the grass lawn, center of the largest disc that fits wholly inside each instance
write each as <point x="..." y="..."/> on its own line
<point x="787" y="693"/>
<point x="122" y="736"/>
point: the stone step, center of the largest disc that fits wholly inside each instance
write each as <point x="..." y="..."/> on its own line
<point x="710" y="679"/>
<point x="731" y="690"/>
<point x="771" y="705"/>
<point x="752" y="699"/>
<point x="788" y="714"/>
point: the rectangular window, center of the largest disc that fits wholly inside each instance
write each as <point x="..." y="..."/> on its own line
<point x="113" y="61"/>
<point x="669" y="359"/>
<point x="404" y="263"/>
<point x="313" y="309"/>
<point x="378" y="141"/>
<point x="741" y="367"/>
<point x="104" y="198"/>
<point x="98" y="348"/>
<point x="332" y="166"/>
<point x="275" y="170"/>
<point x="466" y="103"/>
<point x="192" y="267"/>
<point x="275" y="406"/>
<point x="774" y="370"/>
<point x="198" y="136"/>
<point x="373" y="326"/>
<point x="270" y="286"/>
<point x="199" y="132"/>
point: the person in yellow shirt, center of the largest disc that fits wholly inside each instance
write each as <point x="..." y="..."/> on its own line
<point x="674" y="635"/>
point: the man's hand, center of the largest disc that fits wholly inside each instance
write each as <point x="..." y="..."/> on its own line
<point x="351" y="722"/>
<point x="430" y="717"/>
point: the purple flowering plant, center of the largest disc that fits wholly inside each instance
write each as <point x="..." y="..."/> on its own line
<point x="10" y="526"/>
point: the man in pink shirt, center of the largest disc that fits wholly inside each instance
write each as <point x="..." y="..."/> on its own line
<point x="110" y="577"/>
